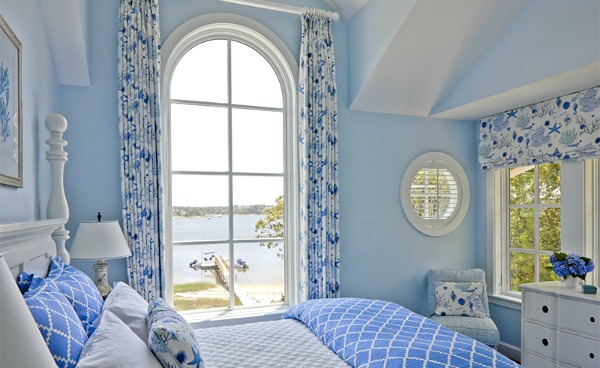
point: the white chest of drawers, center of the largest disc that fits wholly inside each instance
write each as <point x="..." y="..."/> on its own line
<point x="560" y="327"/>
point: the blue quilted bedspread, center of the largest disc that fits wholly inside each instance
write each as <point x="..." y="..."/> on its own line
<point x="375" y="333"/>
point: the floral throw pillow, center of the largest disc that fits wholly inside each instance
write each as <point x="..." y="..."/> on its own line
<point x="459" y="299"/>
<point x="171" y="338"/>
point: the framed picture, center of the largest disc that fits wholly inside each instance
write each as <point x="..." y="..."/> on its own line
<point x="11" y="117"/>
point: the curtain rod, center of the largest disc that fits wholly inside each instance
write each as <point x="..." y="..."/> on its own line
<point x="279" y="7"/>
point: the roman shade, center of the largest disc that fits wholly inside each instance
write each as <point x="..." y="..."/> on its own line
<point x="565" y="128"/>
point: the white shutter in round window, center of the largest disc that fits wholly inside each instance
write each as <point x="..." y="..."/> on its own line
<point x="435" y="193"/>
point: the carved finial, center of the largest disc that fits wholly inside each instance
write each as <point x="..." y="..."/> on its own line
<point x="99" y="216"/>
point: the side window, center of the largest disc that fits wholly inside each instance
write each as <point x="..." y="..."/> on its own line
<point x="230" y="162"/>
<point x="534" y="222"/>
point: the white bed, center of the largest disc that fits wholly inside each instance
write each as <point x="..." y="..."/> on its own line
<point x="31" y="246"/>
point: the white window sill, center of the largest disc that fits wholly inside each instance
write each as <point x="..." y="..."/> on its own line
<point x="223" y="317"/>
<point x="505" y="301"/>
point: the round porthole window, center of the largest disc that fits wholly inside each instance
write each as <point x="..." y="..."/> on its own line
<point x="435" y="193"/>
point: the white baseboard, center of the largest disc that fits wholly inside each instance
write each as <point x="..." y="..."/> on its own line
<point x="511" y="351"/>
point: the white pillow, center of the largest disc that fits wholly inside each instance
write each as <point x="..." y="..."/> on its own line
<point x="459" y="299"/>
<point x="113" y="344"/>
<point x="130" y="307"/>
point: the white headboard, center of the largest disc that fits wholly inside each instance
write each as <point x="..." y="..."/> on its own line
<point x="30" y="245"/>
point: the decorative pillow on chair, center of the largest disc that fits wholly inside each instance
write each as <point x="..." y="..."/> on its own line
<point x="79" y="290"/>
<point x="171" y="338"/>
<point x="60" y="326"/>
<point x="459" y="299"/>
<point x="130" y="307"/>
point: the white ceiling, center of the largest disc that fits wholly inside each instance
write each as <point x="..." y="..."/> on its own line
<point x="346" y="8"/>
<point x="429" y="54"/>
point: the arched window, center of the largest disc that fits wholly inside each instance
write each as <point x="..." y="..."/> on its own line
<point x="229" y="127"/>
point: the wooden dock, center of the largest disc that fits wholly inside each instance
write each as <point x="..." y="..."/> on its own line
<point x="223" y="275"/>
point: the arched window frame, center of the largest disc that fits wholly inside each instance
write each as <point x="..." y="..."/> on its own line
<point x="273" y="49"/>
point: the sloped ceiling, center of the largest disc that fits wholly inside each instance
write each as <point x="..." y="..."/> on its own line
<point x="432" y="50"/>
<point x="467" y="59"/>
<point x="425" y="57"/>
<point x="66" y="26"/>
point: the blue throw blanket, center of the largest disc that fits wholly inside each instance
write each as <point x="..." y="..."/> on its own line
<point x="375" y="333"/>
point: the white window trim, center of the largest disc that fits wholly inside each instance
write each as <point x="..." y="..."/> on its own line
<point x="428" y="226"/>
<point x="587" y="199"/>
<point x="285" y="66"/>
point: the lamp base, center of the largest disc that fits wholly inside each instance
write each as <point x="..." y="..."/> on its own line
<point x="101" y="269"/>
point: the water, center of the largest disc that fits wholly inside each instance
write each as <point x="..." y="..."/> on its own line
<point x="265" y="266"/>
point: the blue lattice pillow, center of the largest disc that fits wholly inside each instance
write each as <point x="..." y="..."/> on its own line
<point x="79" y="290"/>
<point x="24" y="281"/>
<point x="171" y="338"/>
<point x="57" y="321"/>
<point x="459" y="299"/>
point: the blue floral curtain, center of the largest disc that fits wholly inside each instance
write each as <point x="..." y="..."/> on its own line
<point x="139" y="115"/>
<point x="566" y="128"/>
<point x="319" y="214"/>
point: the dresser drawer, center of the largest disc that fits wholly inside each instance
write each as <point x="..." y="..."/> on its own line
<point x="541" y="340"/>
<point x="579" y="316"/>
<point x="529" y="360"/>
<point x="579" y="351"/>
<point x="540" y="307"/>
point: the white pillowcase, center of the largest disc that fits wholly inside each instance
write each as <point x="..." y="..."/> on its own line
<point x="130" y="307"/>
<point x="113" y="344"/>
<point x="459" y="299"/>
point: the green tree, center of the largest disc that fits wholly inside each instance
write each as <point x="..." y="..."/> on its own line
<point x="272" y="226"/>
<point x="522" y="223"/>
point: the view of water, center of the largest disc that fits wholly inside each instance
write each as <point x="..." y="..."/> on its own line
<point x="265" y="267"/>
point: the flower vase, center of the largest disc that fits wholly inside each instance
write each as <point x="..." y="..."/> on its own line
<point x="570" y="282"/>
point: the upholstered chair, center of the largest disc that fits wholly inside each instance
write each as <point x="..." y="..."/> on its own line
<point x="481" y="327"/>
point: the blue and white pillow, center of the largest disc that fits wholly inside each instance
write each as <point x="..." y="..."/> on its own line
<point x="60" y="326"/>
<point x="79" y="290"/>
<point x="24" y="281"/>
<point x="459" y="299"/>
<point x="171" y="338"/>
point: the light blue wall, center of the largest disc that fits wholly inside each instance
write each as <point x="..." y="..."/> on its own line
<point x="40" y="97"/>
<point x="383" y="256"/>
<point x="381" y="252"/>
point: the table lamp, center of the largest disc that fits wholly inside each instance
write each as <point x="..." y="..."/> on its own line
<point x="100" y="240"/>
<point x="21" y="342"/>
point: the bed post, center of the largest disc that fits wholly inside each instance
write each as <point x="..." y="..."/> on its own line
<point x="57" y="204"/>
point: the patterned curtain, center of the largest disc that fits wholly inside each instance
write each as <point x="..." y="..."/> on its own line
<point x="139" y="115"/>
<point x="319" y="214"/>
<point x="566" y="128"/>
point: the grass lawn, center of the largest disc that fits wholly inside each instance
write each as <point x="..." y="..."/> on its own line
<point x="182" y="303"/>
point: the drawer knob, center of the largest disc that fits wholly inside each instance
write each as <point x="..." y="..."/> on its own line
<point x="591" y="355"/>
<point x="545" y="342"/>
<point x="592" y="319"/>
<point x="545" y="309"/>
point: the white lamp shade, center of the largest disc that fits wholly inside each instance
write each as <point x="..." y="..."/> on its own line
<point x="21" y="342"/>
<point x="99" y="240"/>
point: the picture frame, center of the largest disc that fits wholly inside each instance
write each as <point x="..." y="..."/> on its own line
<point x="11" y="117"/>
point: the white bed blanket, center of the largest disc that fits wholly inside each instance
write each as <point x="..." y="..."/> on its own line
<point x="273" y="344"/>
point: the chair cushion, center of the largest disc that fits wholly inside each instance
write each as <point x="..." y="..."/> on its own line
<point x="481" y="329"/>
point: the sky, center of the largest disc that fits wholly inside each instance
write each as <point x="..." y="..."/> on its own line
<point x="200" y="134"/>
